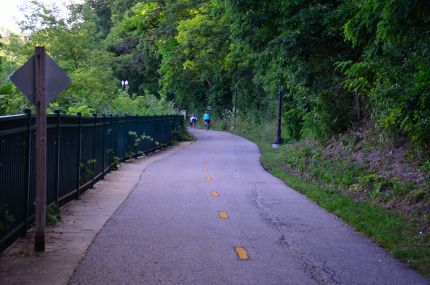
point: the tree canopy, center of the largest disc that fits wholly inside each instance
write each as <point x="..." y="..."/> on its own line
<point x="339" y="62"/>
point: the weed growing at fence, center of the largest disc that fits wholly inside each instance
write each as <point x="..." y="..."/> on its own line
<point x="86" y="169"/>
<point x="6" y="218"/>
<point x="116" y="163"/>
<point x="133" y="148"/>
<point x="53" y="214"/>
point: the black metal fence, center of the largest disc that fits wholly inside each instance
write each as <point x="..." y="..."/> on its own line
<point x="80" y="151"/>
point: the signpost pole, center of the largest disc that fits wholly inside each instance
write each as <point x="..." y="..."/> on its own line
<point x="39" y="79"/>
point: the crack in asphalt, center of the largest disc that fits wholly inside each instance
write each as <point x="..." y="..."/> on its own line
<point x="318" y="271"/>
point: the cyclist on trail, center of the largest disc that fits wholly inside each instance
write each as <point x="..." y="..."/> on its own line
<point x="193" y="121"/>
<point x="207" y="119"/>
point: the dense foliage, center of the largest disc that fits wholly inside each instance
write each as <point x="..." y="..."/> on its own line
<point x="339" y="62"/>
<point x="77" y="44"/>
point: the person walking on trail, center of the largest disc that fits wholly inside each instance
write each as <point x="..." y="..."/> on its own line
<point x="207" y="119"/>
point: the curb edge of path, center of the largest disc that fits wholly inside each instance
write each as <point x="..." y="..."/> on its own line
<point x="68" y="242"/>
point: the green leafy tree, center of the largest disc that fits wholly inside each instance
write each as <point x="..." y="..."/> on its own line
<point x="194" y="67"/>
<point x="393" y="70"/>
<point x="340" y="63"/>
<point x="71" y="42"/>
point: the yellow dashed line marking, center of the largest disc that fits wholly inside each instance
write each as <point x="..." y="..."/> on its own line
<point x="223" y="215"/>
<point x="205" y="170"/>
<point x="208" y="178"/>
<point x="241" y="253"/>
<point x="214" y="194"/>
<point x="205" y="162"/>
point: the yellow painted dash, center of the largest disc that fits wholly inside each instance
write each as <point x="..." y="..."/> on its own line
<point x="205" y="162"/>
<point x="241" y="253"/>
<point x="223" y="215"/>
<point x="205" y="170"/>
<point x="208" y="178"/>
<point x="214" y="194"/>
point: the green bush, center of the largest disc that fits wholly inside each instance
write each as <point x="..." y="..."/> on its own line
<point x="180" y="133"/>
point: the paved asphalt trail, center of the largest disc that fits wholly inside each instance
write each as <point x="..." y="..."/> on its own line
<point x="169" y="230"/>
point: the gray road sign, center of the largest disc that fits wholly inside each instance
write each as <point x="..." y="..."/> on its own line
<point x="56" y="80"/>
<point x="41" y="80"/>
<point x="23" y="78"/>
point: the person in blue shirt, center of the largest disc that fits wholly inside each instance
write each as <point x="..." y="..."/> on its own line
<point x="207" y="119"/>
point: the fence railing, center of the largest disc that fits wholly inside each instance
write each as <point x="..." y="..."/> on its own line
<point x="80" y="151"/>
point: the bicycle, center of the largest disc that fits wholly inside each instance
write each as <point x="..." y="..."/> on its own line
<point x="193" y="123"/>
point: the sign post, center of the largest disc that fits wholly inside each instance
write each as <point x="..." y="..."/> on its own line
<point x="41" y="80"/>
<point x="39" y="76"/>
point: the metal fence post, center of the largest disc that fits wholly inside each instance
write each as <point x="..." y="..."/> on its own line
<point x="161" y="131"/>
<point x="158" y="132"/>
<point x="169" y="130"/>
<point x="116" y="137"/>
<point x="28" y="171"/>
<point x="57" y="161"/>
<point x="172" y="127"/>
<point x="125" y="135"/>
<point x="103" y="144"/>
<point x="111" y="141"/>
<point x="78" y="182"/>
<point x="94" y="151"/>
<point x="136" y="126"/>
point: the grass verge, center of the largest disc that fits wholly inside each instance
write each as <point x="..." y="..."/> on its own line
<point x="398" y="233"/>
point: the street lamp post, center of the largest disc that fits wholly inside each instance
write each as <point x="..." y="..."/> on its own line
<point x="235" y="107"/>
<point x="278" y="140"/>
<point x="124" y="84"/>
